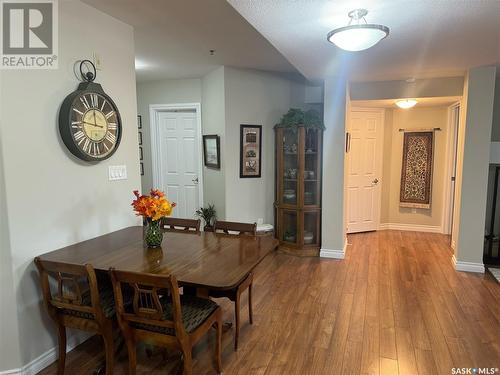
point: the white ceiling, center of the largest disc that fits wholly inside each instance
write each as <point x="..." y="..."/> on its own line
<point x="428" y="38"/>
<point x="173" y="37"/>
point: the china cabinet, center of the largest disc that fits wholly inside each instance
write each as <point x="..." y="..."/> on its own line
<point x="298" y="189"/>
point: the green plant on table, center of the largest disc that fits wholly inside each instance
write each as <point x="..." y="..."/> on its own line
<point x="208" y="214"/>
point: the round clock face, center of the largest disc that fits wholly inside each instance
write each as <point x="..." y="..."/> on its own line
<point x="92" y="130"/>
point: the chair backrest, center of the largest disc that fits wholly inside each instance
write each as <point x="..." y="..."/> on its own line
<point x="74" y="285"/>
<point x="175" y="224"/>
<point x="235" y="227"/>
<point x="146" y="305"/>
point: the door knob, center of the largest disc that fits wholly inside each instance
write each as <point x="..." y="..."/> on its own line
<point x="195" y="180"/>
<point x="375" y="182"/>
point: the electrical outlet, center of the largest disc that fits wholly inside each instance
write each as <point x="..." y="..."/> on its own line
<point x="97" y="61"/>
<point x="413" y="210"/>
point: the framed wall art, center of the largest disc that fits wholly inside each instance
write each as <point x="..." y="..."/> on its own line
<point x="250" y="151"/>
<point x="139" y="122"/>
<point x="211" y="151"/>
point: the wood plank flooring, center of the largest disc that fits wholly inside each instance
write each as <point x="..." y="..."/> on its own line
<point x="395" y="305"/>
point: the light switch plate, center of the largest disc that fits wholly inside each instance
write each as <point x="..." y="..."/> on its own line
<point x="117" y="172"/>
<point x="97" y="60"/>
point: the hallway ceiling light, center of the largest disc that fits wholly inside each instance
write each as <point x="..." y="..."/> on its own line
<point x="359" y="36"/>
<point x="406" y="103"/>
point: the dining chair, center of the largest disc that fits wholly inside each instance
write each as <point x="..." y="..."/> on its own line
<point x="176" y="224"/>
<point x="235" y="293"/>
<point x="230" y="227"/>
<point x="164" y="319"/>
<point x="75" y="299"/>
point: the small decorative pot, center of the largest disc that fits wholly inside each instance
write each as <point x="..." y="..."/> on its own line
<point x="153" y="235"/>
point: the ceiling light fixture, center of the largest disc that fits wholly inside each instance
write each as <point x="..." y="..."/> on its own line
<point x="360" y="36"/>
<point x="406" y="103"/>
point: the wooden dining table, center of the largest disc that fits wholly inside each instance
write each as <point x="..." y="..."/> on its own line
<point x="204" y="260"/>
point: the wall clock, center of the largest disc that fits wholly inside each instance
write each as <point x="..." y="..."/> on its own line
<point x="89" y="121"/>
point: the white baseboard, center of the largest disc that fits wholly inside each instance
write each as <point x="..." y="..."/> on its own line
<point x="467" y="266"/>
<point x="333" y="254"/>
<point x="47" y="358"/>
<point x="411" y="227"/>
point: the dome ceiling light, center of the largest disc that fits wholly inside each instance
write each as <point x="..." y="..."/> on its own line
<point x="406" y="103"/>
<point x="359" y="36"/>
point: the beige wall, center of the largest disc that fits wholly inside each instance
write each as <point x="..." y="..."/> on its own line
<point x="256" y="98"/>
<point x="9" y="342"/>
<point x="169" y="91"/>
<point x="213" y="120"/>
<point x="333" y="226"/>
<point x="495" y="130"/>
<point x="415" y="118"/>
<point x="473" y="164"/>
<point x="52" y="198"/>
<point x="420" y="88"/>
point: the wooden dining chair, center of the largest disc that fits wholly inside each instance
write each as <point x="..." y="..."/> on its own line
<point x="76" y="300"/>
<point x="164" y="319"/>
<point x="175" y="224"/>
<point x="233" y="227"/>
<point x="234" y="294"/>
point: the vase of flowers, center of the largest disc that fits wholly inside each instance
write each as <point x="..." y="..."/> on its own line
<point x="152" y="208"/>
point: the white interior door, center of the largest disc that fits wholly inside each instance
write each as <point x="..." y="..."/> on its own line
<point x="364" y="169"/>
<point x="180" y="160"/>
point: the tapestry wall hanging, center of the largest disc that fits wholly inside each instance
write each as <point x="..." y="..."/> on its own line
<point x="416" y="173"/>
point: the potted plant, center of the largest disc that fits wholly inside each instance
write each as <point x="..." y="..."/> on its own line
<point x="152" y="208"/>
<point x="208" y="214"/>
<point x="295" y="117"/>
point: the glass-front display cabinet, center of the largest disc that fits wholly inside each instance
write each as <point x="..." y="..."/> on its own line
<point x="298" y="189"/>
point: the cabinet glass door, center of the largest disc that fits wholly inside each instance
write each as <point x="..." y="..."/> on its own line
<point x="312" y="170"/>
<point x="289" y="226"/>
<point x="311" y="228"/>
<point x="290" y="166"/>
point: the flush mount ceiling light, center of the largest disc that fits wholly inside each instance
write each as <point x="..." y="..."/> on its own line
<point x="406" y="103"/>
<point x="359" y="36"/>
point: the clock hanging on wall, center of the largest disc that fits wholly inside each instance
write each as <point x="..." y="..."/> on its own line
<point x="89" y="121"/>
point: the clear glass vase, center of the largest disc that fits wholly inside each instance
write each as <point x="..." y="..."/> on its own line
<point x="153" y="235"/>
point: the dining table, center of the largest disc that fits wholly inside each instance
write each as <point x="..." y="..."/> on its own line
<point x="202" y="260"/>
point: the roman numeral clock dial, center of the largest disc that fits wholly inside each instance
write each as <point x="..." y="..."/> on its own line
<point x="89" y="123"/>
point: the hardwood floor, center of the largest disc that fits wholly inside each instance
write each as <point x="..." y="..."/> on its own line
<point x="395" y="305"/>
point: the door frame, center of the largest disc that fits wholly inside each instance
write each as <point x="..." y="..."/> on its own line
<point x="381" y="112"/>
<point x="154" y="111"/>
<point x="451" y="149"/>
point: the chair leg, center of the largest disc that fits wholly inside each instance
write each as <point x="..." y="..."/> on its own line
<point x="62" y="349"/>
<point x="218" y="342"/>
<point x="236" y="320"/>
<point x="110" y="351"/>
<point x="188" y="362"/>
<point x="250" y="312"/>
<point x="132" y="356"/>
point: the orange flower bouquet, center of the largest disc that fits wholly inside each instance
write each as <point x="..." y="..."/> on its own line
<point x="153" y="208"/>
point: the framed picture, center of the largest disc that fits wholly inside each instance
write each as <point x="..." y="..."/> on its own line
<point x="211" y="151"/>
<point x="139" y="122"/>
<point x="250" y="151"/>
<point x="140" y="138"/>
<point x="142" y="168"/>
<point x="140" y="153"/>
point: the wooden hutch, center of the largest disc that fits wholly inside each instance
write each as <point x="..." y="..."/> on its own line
<point x="298" y="189"/>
